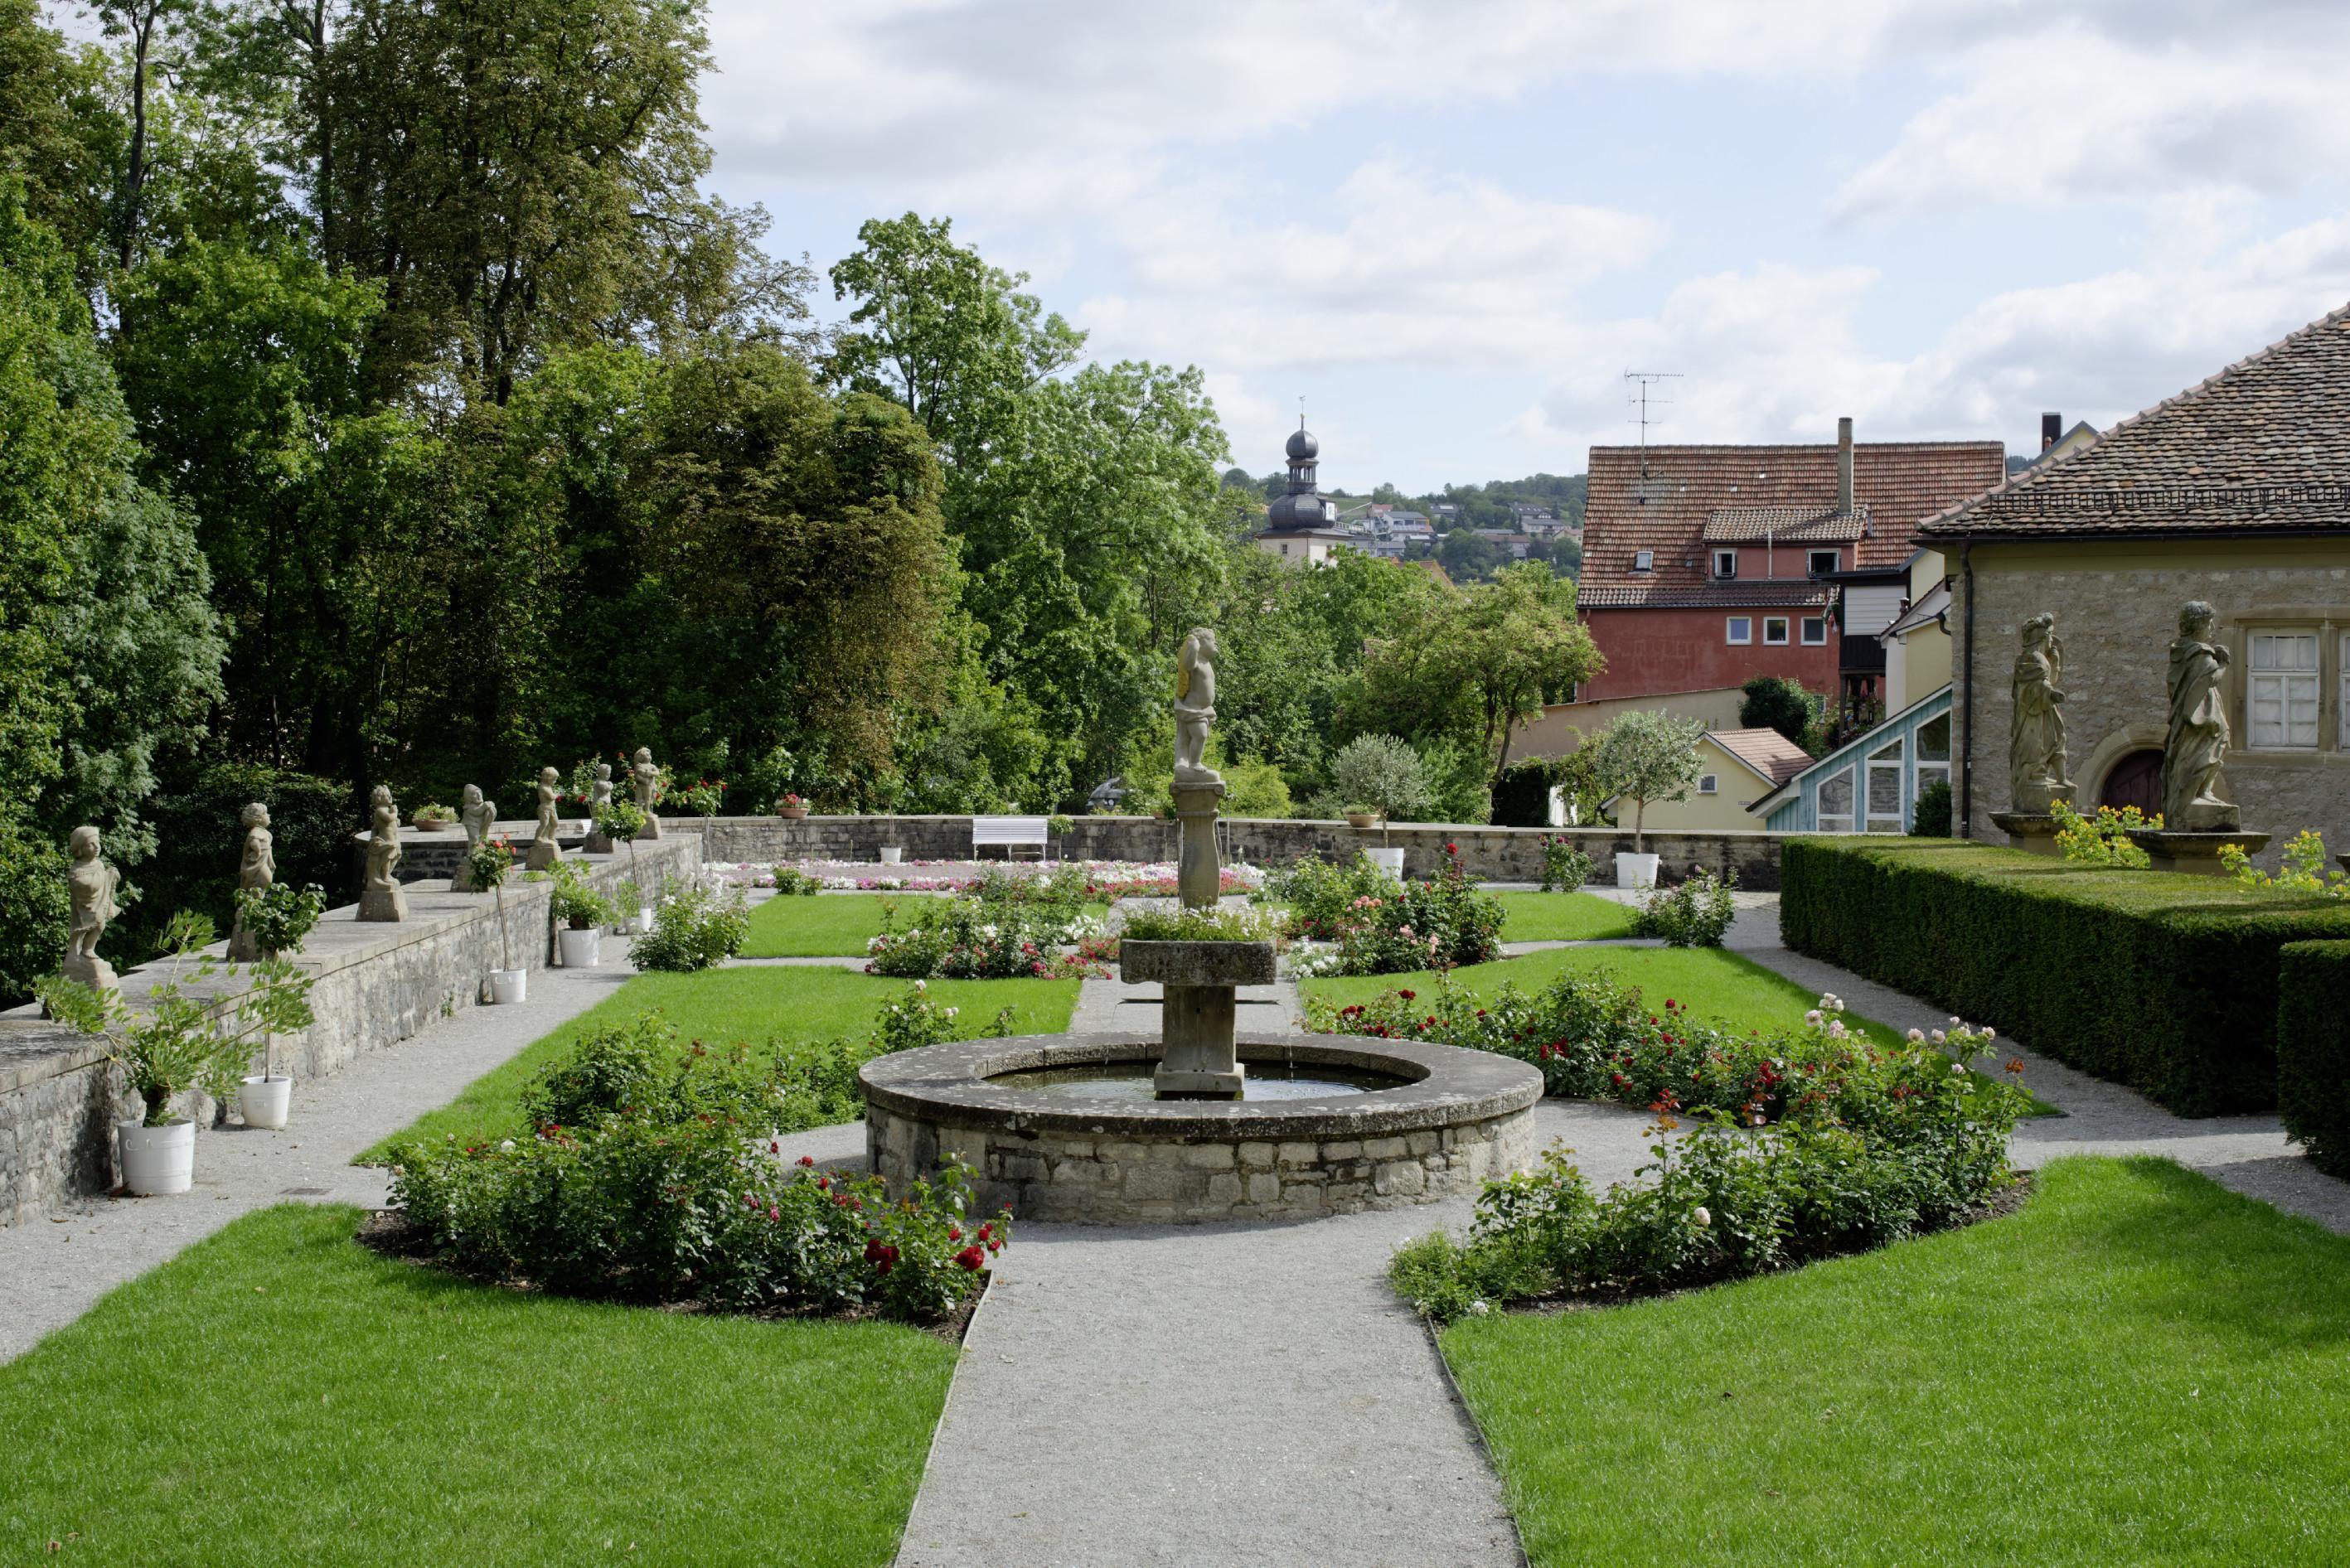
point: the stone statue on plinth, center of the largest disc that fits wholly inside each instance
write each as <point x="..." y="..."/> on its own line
<point x="2197" y="743"/>
<point x="92" y="884"/>
<point x="381" y="898"/>
<point x="2036" y="737"/>
<point x="645" y="779"/>
<point x="476" y="814"/>
<point x="545" y="848"/>
<point x="599" y="795"/>
<point x="257" y="869"/>
<point x="1195" y="707"/>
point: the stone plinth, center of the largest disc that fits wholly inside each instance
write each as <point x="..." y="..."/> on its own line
<point x="2197" y="853"/>
<point x="92" y="971"/>
<point x="1465" y="1117"/>
<point x="383" y="903"/>
<point x="2028" y="830"/>
<point x="1197" y="874"/>
<point x="1198" y="1013"/>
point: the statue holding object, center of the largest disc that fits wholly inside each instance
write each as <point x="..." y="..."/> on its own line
<point x="2197" y="741"/>
<point x="257" y="869"/>
<point x="1195" y="707"/>
<point x="381" y="898"/>
<point x="545" y="849"/>
<point x="2035" y="746"/>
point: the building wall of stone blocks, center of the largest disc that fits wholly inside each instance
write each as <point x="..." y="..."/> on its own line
<point x="1125" y="1179"/>
<point x="1502" y="853"/>
<point x="2117" y="606"/>
<point x="376" y="984"/>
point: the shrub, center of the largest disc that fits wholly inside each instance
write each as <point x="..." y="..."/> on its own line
<point x="2102" y="839"/>
<point x="1697" y="914"/>
<point x="1321" y="894"/>
<point x="983" y="939"/>
<point x="1932" y="818"/>
<point x="2312" y="1036"/>
<point x="1779" y="703"/>
<point x="1438" y="923"/>
<point x="2304" y="868"/>
<point x="694" y="928"/>
<point x="280" y="917"/>
<point x="620" y="819"/>
<point x="1384" y="772"/>
<point x="702" y="797"/>
<point x="1566" y="866"/>
<point x="791" y="882"/>
<point x="2168" y="983"/>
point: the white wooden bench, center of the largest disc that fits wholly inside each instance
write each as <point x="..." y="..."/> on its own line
<point x="1008" y="832"/>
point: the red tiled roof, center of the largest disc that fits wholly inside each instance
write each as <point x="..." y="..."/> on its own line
<point x="1895" y="482"/>
<point x="1785" y="525"/>
<point x="2263" y="445"/>
<point x="1736" y="593"/>
<point x="1767" y="751"/>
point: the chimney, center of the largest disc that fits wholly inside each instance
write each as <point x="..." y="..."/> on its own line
<point x="2052" y="426"/>
<point x="1844" y="466"/>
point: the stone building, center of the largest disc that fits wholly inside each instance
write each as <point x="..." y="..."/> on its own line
<point x="2236" y="492"/>
<point x="1301" y="525"/>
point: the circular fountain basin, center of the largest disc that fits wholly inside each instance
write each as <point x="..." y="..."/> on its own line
<point x="1058" y="1126"/>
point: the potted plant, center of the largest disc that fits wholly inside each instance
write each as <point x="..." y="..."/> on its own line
<point x="1360" y="818"/>
<point x="1386" y="772"/>
<point x="432" y="817"/>
<point x="1643" y="755"/>
<point x="633" y="914"/>
<point x="278" y="918"/>
<point x="179" y="1042"/>
<point x="620" y="820"/>
<point x="1060" y="824"/>
<point x="581" y="913"/>
<point x="490" y="862"/>
<point x="791" y="808"/>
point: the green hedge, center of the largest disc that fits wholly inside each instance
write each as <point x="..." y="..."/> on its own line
<point x="2164" y="982"/>
<point x="2314" y="1052"/>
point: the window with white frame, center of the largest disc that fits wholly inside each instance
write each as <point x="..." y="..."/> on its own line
<point x="1775" y="630"/>
<point x="1835" y="812"/>
<point x="1725" y="562"/>
<point x="1823" y="562"/>
<point x="1815" y="630"/>
<point x="1709" y="783"/>
<point x="2282" y="690"/>
<point x="1885" y="813"/>
<point x="1738" y="628"/>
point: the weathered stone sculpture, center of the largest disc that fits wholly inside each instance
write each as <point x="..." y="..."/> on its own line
<point x="599" y="794"/>
<point x="1195" y="707"/>
<point x="476" y="815"/>
<point x="544" y="849"/>
<point x="381" y="898"/>
<point x="2197" y="743"/>
<point x="2036" y="744"/>
<point x="257" y="869"/>
<point x="92" y="884"/>
<point x="645" y="779"/>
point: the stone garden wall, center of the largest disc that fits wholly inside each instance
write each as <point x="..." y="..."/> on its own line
<point x="1501" y="853"/>
<point x="377" y="984"/>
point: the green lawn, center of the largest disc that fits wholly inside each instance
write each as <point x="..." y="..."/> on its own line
<point x="278" y="1394"/>
<point x="765" y="1005"/>
<point x="1563" y="917"/>
<point x="2138" y="1367"/>
<point x="827" y="924"/>
<point x="1713" y="982"/>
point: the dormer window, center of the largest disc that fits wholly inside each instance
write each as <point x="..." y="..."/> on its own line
<point x="1644" y="560"/>
<point x="1725" y="564"/>
<point x="1823" y="562"/>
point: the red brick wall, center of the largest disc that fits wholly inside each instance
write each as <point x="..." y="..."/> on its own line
<point x="1658" y="651"/>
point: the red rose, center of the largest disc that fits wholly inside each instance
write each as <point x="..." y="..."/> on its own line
<point x="1405" y="994"/>
<point x="972" y="1257"/>
<point x="807" y="1161"/>
<point x="1451" y="847"/>
<point x="954" y="1232"/>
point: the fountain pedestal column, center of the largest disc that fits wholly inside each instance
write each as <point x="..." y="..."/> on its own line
<point x="1196" y="982"/>
<point x="1198" y="871"/>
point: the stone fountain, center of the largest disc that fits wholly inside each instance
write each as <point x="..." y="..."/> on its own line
<point x="1130" y="1127"/>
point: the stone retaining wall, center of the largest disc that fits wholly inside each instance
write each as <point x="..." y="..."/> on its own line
<point x="377" y="984"/>
<point x="1500" y="854"/>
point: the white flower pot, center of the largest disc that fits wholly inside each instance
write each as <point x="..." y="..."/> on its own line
<point x="156" y="1161"/>
<point x="507" y="986"/>
<point x="264" y="1102"/>
<point x="893" y="855"/>
<point x="644" y="919"/>
<point x="1636" y="870"/>
<point x="1388" y="860"/>
<point x="580" y="949"/>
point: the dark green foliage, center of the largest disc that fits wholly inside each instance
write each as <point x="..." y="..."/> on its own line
<point x="2165" y="983"/>
<point x="1777" y="703"/>
<point x="1932" y="819"/>
<point x="2312" y="1043"/>
<point x="33" y="891"/>
<point x="1522" y="795"/>
<point x="312" y="824"/>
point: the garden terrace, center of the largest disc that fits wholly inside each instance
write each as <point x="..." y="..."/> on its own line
<point x="2167" y="982"/>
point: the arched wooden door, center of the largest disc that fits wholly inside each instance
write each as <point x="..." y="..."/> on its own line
<point x="2135" y="780"/>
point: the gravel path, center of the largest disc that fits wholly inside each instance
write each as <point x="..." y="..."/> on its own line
<point x="52" y="1270"/>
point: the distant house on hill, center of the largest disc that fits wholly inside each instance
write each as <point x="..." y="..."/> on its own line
<point x="1704" y="566"/>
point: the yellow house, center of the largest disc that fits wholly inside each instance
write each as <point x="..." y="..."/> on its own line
<point x="1736" y="768"/>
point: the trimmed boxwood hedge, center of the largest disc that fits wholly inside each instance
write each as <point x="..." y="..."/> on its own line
<point x="2314" y="1052"/>
<point x="2165" y="981"/>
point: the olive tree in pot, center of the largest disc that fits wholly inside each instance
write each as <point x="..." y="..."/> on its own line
<point x="1645" y="756"/>
<point x="621" y="820"/>
<point x="1384" y="774"/>
<point x="176" y="1042"/>
<point x="580" y="913"/>
<point x="278" y="918"/>
<point x="491" y="862"/>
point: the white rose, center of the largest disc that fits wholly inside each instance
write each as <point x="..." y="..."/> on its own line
<point x="1704" y="1216"/>
<point x="1988" y="1032"/>
<point x="507" y="1147"/>
<point x="1958" y="1066"/>
<point x="1812" y="1018"/>
<point x="1940" y="1038"/>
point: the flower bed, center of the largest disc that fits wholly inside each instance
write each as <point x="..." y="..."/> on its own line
<point x="979" y="939"/>
<point x="1095" y="881"/>
<point x="1385" y="926"/>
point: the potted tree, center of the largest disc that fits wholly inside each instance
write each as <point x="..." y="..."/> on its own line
<point x="580" y="913"/>
<point x="490" y="862"/>
<point x="180" y="1043"/>
<point x="1645" y="756"/>
<point x="1359" y="817"/>
<point x="620" y="821"/>
<point x="278" y="918"/>
<point x="1385" y="772"/>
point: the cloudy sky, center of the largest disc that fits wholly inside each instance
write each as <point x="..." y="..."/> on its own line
<point x="1452" y="226"/>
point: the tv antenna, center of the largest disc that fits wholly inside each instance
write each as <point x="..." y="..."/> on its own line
<point x="1648" y="392"/>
